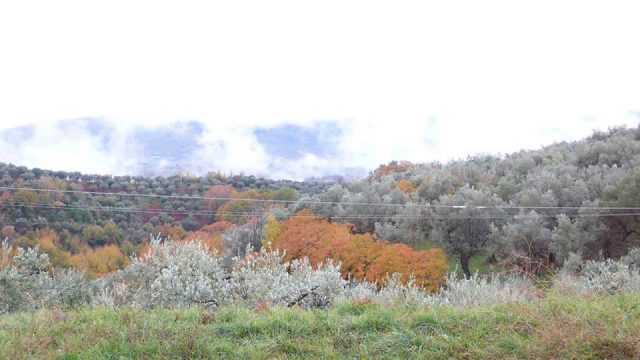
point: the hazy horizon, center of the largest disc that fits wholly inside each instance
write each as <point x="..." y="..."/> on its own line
<point x="285" y="151"/>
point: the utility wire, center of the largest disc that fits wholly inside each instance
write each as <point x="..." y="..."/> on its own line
<point x="319" y="202"/>
<point x="262" y="214"/>
<point x="140" y="209"/>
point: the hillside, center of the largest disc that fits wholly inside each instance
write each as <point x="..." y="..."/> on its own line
<point x="326" y="180"/>
<point x="253" y="268"/>
<point x="578" y="197"/>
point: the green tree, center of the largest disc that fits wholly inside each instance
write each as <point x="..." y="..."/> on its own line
<point x="112" y="233"/>
<point x="463" y="222"/>
<point x="525" y="242"/>
<point x="94" y="235"/>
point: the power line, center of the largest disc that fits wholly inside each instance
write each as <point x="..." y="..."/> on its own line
<point x="152" y="210"/>
<point x="262" y="214"/>
<point x="184" y="197"/>
<point x="319" y="202"/>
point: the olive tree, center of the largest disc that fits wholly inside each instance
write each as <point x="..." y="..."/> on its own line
<point x="525" y="242"/>
<point x="462" y="223"/>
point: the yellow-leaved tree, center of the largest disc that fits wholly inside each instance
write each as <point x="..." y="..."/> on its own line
<point x="100" y="261"/>
<point x="271" y="232"/>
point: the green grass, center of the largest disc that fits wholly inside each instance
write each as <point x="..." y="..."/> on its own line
<point x="597" y="327"/>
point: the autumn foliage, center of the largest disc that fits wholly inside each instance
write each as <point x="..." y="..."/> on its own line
<point x="101" y="261"/>
<point x="95" y="262"/>
<point x="211" y="235"/>
<point x="361" y="255"/>
<point x="219" y="227"/>
<point x="47" y="241"/>
<point x="272" y="231"/>
<point x="407" y="187"/>
<point x="394" y="166"/>
<point x="239" y="210"/>
<point x="171" y="231"/>
<point x="217" y="195"/>
<point x="245" y="206"/>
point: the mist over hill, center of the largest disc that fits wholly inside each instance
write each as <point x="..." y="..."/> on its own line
<point x="95" y="145"/>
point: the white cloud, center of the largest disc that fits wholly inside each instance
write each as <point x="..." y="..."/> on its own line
<point x="74" y="148"/>
<point x="495" y="75"/>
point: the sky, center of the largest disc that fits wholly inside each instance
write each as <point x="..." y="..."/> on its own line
<point x="401" y="80"/>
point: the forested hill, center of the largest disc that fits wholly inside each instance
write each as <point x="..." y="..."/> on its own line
<point x="97" y="210"/>
<point x="529" y="209"/>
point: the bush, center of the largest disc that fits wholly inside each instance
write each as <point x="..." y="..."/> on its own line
<point x="632" y="259"/>
<point x="188" y="274"/>
<point x="266" y="277"/>
<point x="179" y="275"/>
<point x="27" y="283"/>
<point x="486" y="290"/>
<point x="456" y="292"/>
<point x="607" y="277"/>
<point x="170" y="274"/>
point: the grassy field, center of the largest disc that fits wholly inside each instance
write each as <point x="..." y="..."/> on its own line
<point x="557" y="327"/>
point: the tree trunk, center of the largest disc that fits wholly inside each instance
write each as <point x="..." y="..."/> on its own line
<point x="464" y="262"/>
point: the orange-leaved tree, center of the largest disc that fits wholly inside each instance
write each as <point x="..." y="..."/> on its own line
<point x="211" y="235"/>
<point x="407" y="187"/>
<point x="362" y="256"/>
<point x="217" y="195"/>
<point x="394" y="166"/>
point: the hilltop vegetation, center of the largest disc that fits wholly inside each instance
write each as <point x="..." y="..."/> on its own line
<point x="528" y="210"/>
<point x="79" y="220"/>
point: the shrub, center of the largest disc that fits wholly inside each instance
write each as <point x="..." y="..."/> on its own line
<point x="27" y="283"/>
<point x="170" y="274"/>
<point x="189" y="274"/>
<point x="186" y="274"/>
<point x="265" y="276"/>
<point x="607" y="277"/>
<point x="464" y="292"/>
<point x="478" y="290"/>
<point x="632" y="258"/>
